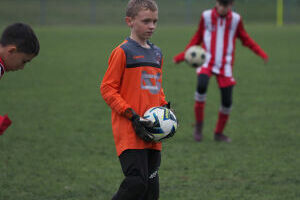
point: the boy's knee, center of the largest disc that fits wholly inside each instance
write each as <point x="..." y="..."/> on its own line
<point x="227" y="103"/>
<point x="202" y="83"/>
<point x="136" y="184"/>
<point x="226" y="94"/>
<point x="201" y="89"/>
<point x="133" y="187"/>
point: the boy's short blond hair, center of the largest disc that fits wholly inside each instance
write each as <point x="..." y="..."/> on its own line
<point x="134" y="6"/>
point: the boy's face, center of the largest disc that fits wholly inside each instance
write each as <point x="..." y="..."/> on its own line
<point x="144" y="24"/>
<point x="223" y="9"/>
<point x="14" y="60"/>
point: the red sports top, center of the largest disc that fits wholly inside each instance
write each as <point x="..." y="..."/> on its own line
<point x="4" y="120"/>
<point x="2" y="68"/>
<point x="133" y="80"/>
<point x="218" y="35"/>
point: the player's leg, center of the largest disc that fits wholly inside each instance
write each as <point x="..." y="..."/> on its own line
<point x="224" y="112"/>
<point x="134" y="164"/>
<point x="154" y="158"/>
<point x="200" y="99"/>
<point x="226" y="87"/>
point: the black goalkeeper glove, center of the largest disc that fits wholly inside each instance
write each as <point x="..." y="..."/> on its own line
<point x="168" y="105"/>
<point x="140" y="125"/>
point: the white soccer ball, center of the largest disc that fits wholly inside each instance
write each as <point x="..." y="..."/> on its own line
<point x="165" y="122"/>
<point x="195" y="56"/>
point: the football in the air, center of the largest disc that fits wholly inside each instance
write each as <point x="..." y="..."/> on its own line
<point x="195" y="56"/>
<point x="165" y="122"/>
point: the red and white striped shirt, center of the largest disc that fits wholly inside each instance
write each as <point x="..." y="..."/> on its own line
<point x="218" y="35"/>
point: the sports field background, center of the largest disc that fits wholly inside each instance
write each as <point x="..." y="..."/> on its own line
<point x="112" y="12"/>
<point x="60" y="145"/>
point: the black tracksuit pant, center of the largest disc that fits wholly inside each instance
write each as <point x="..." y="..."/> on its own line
<point x="140" y="168"/>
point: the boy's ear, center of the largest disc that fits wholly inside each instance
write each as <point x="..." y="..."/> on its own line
<point x="128" y="21"/>
<point x="11" y="48"/>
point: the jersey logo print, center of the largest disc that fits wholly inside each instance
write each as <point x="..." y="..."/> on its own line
<point x="158" y="58"/>
<point x="138" y="57"/>
<point x="146" y="82"/>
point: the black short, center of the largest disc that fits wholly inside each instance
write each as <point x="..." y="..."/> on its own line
<point x="226" y="92"/>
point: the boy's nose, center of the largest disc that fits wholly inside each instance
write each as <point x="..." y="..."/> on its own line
<point x="152" y="25"/>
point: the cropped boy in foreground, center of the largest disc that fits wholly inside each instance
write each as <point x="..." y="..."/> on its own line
<point x="18" y="46"/>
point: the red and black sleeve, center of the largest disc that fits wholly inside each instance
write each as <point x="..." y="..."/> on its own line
<point x="196" y="40"/>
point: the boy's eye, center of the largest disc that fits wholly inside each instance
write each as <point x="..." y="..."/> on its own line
<point x="147" y="21"/>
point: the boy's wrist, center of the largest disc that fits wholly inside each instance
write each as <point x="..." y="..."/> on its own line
<point x="130" y="114"/>
<point x="168" y="105"/>
<point x="179" y="57"/>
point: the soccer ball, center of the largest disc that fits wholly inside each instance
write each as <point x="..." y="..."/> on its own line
<point x="195" y="56"/>
<point x="165" y="122"/>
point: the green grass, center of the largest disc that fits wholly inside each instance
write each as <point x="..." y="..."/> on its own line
<point x="60" y="145"/>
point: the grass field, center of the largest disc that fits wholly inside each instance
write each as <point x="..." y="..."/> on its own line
<point x="60" y="146"/>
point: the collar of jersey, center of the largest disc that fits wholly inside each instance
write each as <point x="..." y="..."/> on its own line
<point x="2" y="64"/>
<point x="215" y="12"/>
<point x="137" y="44"/>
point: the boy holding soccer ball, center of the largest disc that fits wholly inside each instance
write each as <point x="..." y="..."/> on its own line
<point x="18" y="46"/>
<point x="130" y="86"/>
<point x="217" y="32"/>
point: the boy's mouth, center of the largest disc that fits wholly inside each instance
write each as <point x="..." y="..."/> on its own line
<point x="150" y="32"/>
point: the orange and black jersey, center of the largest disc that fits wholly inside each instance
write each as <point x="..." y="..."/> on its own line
<point x="133" y="80"/>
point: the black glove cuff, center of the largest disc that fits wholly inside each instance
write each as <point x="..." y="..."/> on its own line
<point x="134" y="117"/>
<point x="130" y="114"/>
<point x="168" y="105"/>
